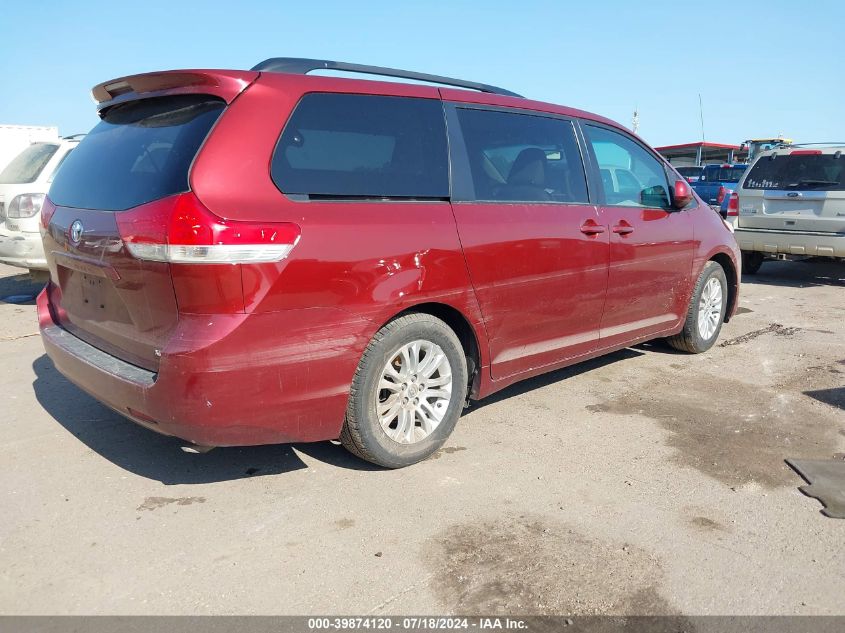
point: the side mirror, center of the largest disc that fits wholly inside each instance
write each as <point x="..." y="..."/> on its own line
<point x="682" y="195"/>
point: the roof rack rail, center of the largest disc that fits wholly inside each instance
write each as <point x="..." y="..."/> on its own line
<point x="302" y="66"/>
<point x="834" y="143"/>
<point x="70" y="137"/>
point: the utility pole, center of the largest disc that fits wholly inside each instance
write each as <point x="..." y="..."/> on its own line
<point x="701" y="115"/>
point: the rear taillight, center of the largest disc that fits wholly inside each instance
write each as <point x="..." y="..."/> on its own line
<point x="733" y="204"/>
<point x="180" y="229"/>
<point x="47" y="211"/>
<point x="26" y="205"/>
<point x="805" y="152"/>
<point x="721" y="196"/>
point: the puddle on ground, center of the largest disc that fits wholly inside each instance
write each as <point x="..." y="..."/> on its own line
<point x="708" y="525"/>
<point x="530" y="566"/>
<point x="736" y="432"/>
<point x="447" y="450"/>
<point x="153" y="503"/>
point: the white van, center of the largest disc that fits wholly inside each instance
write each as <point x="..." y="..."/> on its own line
<point x="24" y="183"/>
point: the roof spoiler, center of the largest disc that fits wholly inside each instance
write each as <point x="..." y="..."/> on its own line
<point x="302" y="66"/>
<point x="226" y="84"/>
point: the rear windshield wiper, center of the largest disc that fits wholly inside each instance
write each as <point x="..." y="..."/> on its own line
<point x="809" y="182"/>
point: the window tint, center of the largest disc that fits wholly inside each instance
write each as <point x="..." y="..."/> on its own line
<point x="630" y="175"/>
<point x="522" y="158"/>
<point x="690" y="172"/>
<point x="723" y="174"/>
<point x="339" y="145"/>
<point x="141" y="151"/>
<point x="810" y="172"/>
<point x="27" y="165"/>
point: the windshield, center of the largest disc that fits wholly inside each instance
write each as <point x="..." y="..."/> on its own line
<point x="28" y="164"/>
<point x="817" y="172"/>
<point x="141" y="151"/>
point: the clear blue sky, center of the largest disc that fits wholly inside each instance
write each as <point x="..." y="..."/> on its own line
<point x="762" y="67"/>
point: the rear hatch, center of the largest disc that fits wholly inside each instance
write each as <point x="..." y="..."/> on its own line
<point x="138" y="156"/>
<point x="797" y="190"/>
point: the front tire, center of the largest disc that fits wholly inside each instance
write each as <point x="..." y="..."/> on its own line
<point x="407" y="393"/>
<point x="706" y="312"/>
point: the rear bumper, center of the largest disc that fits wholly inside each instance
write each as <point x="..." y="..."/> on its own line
<point x="243" y="387"/>
<point x="22" y="249"/>
<point x="813" y="244"/>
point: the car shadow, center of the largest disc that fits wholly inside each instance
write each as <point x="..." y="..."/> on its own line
<point x="153" y="456"/>
<point x="835" y="397"/>
<point x="544" y="380"/>
<point x="19" y="289"/>
<point x="804" y="273"/>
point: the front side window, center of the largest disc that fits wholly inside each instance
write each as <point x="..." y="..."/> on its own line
<point x="522" y="158"/>
<point x="27" y="165"/>
<point x="363" y="146"/>
<point x="630" y="175"/>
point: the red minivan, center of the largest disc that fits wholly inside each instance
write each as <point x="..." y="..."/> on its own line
<point x="265" y="256"/>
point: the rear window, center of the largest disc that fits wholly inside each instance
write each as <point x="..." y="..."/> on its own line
<point x="723" y="174"/>
<point x="816" y="172"/>
<point x="27" y="165"/>
<point x="141" y="151"/>
<point x="690" y="172"/>
<point x="348" y="146"/>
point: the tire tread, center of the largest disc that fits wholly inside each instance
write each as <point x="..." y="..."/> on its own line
<point x="686" y="339"/>
<point x="350" y="435"/>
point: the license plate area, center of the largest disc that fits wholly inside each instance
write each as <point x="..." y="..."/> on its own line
<point x="88" y="297"/>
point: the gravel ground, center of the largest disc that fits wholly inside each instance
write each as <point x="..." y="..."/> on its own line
<point x="644" y="482"/>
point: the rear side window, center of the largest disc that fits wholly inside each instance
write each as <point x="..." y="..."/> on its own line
<point x="27" y="165"/>
<point x="630" y="175"/>
<point x="351" y="146"/>
<point x="60" y="163"/>
<point x="141" y="151"/>
<point x="810" y="172"/>
<point x="522" y="158"/>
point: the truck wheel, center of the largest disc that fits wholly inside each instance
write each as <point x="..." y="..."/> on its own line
<point x="706" y="312"/>
<point x="751" y="262"/>
<point x="407" y="393"/>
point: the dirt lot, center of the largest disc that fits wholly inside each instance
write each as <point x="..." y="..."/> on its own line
<point x="644" y="482"/>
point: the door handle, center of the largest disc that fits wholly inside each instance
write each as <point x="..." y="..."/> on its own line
<point x="623" y="228"/>
<point x="591" y="228"/>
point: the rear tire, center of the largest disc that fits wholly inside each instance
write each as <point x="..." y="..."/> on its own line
<point x="751" y="262"/>
<point x="407" y="393"/>
<point x="706" y="312"/>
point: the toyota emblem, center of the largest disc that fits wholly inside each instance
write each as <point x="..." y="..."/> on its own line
<point x="76" y="232"/>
